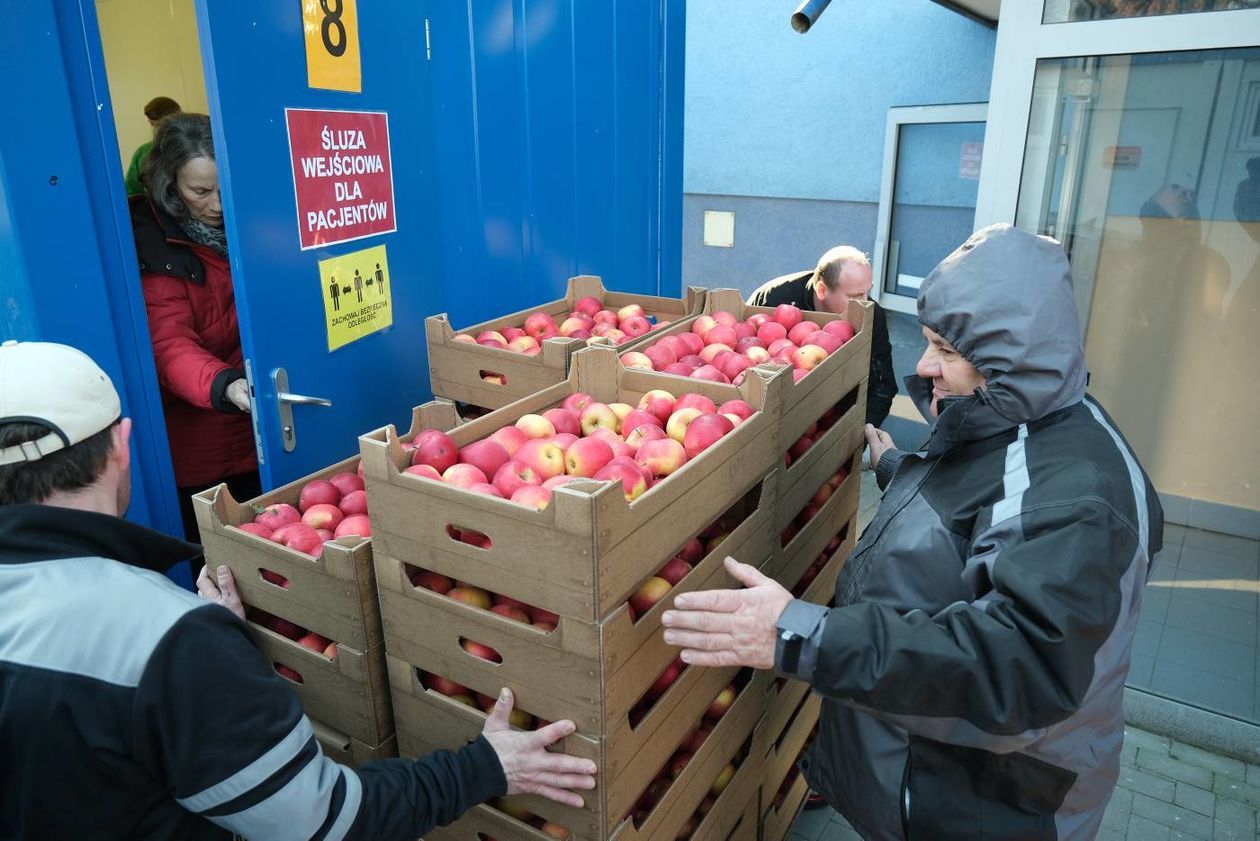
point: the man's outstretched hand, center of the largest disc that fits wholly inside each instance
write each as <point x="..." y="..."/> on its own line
<point x="221" y="589"/>
<point x="529" y="767"/>
<point x="729" y="627"/>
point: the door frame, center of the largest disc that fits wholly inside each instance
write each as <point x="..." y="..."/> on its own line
<point x="970" y="112"/>
<point x="1022" y="40"/>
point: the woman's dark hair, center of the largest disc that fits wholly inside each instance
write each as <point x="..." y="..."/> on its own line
<point x="177" y="140"/>
<point x="65" y="470"/>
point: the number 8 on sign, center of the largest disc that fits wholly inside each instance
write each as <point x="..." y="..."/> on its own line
<point x="331" y="30"/>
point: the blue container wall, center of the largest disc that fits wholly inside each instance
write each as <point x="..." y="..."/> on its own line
<point x="67" y="263"/>
<point x="787" y="130"/>
<point x="558" y="144"/>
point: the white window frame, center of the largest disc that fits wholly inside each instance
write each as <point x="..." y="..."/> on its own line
<point x="1022" y="40"/>
<point x="971" y="112"/>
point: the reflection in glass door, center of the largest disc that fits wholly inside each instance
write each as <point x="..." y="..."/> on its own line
<point x="927" y="206"/>
<point x="1147" y="168"/>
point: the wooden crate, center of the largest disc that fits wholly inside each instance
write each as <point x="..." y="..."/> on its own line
<point x="781" y="758"/>
<point x="834" y="450"/>
<point x="348" y="693"/>
<point x="341" y="748"/>
<point x="334" y="594"/>
<point x="590" y="549"/>
<point x="612" y="802"/>
<point x="811" y="540"/>
<point x="807" y="400"/>
<point x="746" y="828"/>
<point x="456" y="368"/>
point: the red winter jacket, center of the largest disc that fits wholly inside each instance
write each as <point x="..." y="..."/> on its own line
<point x="196" y="346"/>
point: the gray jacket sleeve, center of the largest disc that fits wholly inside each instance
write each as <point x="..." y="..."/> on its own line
<point x="887" y="466"/>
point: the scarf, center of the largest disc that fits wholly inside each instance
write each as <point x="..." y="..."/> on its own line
<point x="202" y="234"/>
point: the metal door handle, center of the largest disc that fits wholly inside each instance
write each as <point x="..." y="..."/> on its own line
<point x="302" y="399"/>
<point x="285" y="401"/>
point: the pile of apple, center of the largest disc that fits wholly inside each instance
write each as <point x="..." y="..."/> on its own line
<point x="505" y="606"/>
<point x="721" y="348"/>
<point x="291" y="630"/>
<point x="579" y="439"/>
<point x="815" y="504"/>
<point x="588" y="320"/>
<point x="813" y="434"/>
<point x="509" y="807"/>
<point x="327" y="509"/>
<point x="462" y="694"/>
<point x="677" y="764"/>
<point x="817" y="565"/>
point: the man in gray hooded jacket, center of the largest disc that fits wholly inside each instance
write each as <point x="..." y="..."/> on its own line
<point x="974" y="659"/>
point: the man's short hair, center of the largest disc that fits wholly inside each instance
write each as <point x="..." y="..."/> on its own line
<point x="68" y="469"/>
<point x="831" y="264"/>
<point x="159" y="107"/>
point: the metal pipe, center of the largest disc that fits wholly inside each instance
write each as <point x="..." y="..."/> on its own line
<point x="807" y="13"/>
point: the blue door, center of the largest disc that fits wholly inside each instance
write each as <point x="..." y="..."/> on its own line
<point x="325" y="254"/>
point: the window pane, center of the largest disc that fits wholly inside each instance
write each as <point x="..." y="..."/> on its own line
<point x="1068" y="11"/>
<point x="1147" y="168"/>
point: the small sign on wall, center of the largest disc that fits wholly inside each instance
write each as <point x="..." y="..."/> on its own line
<point x="969" y="159"/>
<point x="719" y="228"/>
<point x="342" y="176"/>
<point x="331" y="31"/>
<point x="1122" y="157"/>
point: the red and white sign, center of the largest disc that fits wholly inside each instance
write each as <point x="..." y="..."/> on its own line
<point x="342" y="176"/>
<point x="1122" y="157"/>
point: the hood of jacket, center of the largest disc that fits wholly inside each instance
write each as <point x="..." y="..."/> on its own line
<point x="1004" y="300"/>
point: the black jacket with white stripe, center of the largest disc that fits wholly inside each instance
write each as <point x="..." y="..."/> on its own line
<point x="129" y="708"/>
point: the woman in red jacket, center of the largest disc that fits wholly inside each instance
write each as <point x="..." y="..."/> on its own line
<point x="183" y="253"/>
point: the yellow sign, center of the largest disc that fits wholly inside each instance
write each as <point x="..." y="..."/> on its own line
<point x="356" y="291"/>
<point x="332" y="44"/>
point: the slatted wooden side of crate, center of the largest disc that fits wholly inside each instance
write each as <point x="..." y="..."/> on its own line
<point x="459" y="370"/>
<point x="349" y="751"/>
<point x="779" y="812"/>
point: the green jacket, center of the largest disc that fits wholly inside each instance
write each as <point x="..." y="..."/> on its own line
<point x="132" y="179"/>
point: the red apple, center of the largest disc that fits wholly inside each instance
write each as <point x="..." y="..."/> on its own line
<point x="649" y="593"/>
<point x="660" y="357"/>
<point x="556" y="481"/>
<point x="633" y="482"/>
<point x="722" y="781"/>
<point x="436" y="449"/>
<point x="787" y="315"/>
<point x="532" y="496"/>
<point x="514" y="475"/>
<point x="736" y="407"/>
<point x="598" y="415"/>
<point x="704" y="432"/>
<point x="255" y="528"/>
<point x="695" y="401"/>
<point x="485" y="455"/>
<point x="286" y="672"/>
<point x="539" y="323"/>
<point x="543" y="457"/>
<point x="587" y="457"/>
<point x="434" y="581"/>
<point x="637" y="361"/>
<point x="721" y="335"/>
<point x="354" y="503"/>
<point x="556" y="831"/>
<point x="710" y="373"/>
<point x="798" y="333"/>
<point x="824" y="340"/>
<point x="472" y="596"/>
<point x="661" y="457"/>
<point x="511" y="612"/>
<point x="535" y="427"/>
<point x="635" y="326"/>
<point x="443" y="686"/>
<point x="692" y="342"/>
<point x="492" y="335"/>
<point x="483" y="652"/>
<point x="486" y="489"/>
<point x="318" y="492"/>
<point x="464" y="476"/>
<point x="588" y="306"/>
<point x="771" y="332"/>
<point x="512" y="333"/>
<point x="563" y="440"/>
<point x="640" y="435"/>
<point x="702" y="325"/>
<point x="721" y="703"/>
<point x="543" y="617"/>
<point x="576" y="402"/>
<point x="696" y="740"/>
<point x="666" y="678"/>
<point x="807" y="357"/>
<point x="757" y="355"/>
<point x="630" y="311"/>
<point x="676" y="427"/>
<point x="323" y="516"/>
<point x="509" y="438"/>
<point x="425" y="470"/>
<point x="301" y="537"/>
<point x="275" y="577"/>
<point x="777" y="347"/>
<point x="677" y="765"/>
<point x="841" y="329"/>
<point x="638" y="418"/>
<point x="675" y="570"/>
<point x="564" y="421"/>
<point x="346" y="482"/>
<point x="658" y="403"/>
<point x="573" y="324"/>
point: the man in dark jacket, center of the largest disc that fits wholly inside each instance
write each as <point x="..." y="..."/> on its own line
<point x="974" y="659"/>
<point x="843" y="273"/>
<point x="129" y="708"/>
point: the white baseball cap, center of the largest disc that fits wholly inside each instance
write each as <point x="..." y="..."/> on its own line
<point x="57" y="386"/>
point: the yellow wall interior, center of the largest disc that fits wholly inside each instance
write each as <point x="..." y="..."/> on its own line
<point x="151" y="49"/>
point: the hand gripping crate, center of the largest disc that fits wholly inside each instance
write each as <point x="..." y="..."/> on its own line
<point x="805" y="401"/>
<point x="600" y="670"/>
<point x="458" y="370"/>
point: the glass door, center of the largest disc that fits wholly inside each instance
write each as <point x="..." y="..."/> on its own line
<point x="932" y="157"/>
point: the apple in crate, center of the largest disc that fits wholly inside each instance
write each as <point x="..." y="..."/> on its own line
<point x="577" y="402"/>
<point x="587" y="456"/>
<point x="675" y="570"/>
<point x="286" y="672"/>
<point x="485" y="455"/>
<point x="533" y="496"/>
<point x="274" y="516"/>
<point x="723" y="780"/>
<point x="472" y="596"/>
<point x="556" y="831"/>
<point x="353" y="503"/>
<point x="318" y="492"/>
<point x="676" y="426"/>
<point x="436" y="449"/>
<point x="464" y="476"/>
<point x="787" y="315"/>
<point x="596" y="416"/>
<point x="443" y="686"/>
<point x="434" y="581"/>
<point x="482" y="652"/>
<point x="562" y="420"/>
<point x="510" y="438"/>
<point x="649" y="593"/>
<point x="666" y="679"/>
<point x="355" y="525"/>
<point x="513" y="476"/>
<point x="661" y="457"/>
<point x="544" y="458"/>
<point x="633" y="482"/>
<point x="703" y="432"/>
<point x="300" y="537"/>
<point x="721" y="703"/>
<point x="256" y="528"/>
<point x="347" y="482"/>
<point x="323" y="516"/>
<point x="640" y="435"/>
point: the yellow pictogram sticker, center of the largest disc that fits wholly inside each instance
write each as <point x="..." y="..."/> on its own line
<point x="357" y="295"/>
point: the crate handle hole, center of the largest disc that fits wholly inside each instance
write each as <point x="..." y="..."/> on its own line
<point x="289" y="673"/>
<point x="492" y="377"/>
<point x="273" y="578"/>
<point x="471" y="537"/>
<point x="480" y="651"/>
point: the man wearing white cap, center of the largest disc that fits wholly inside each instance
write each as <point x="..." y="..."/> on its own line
<point x="129" y="708"/>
